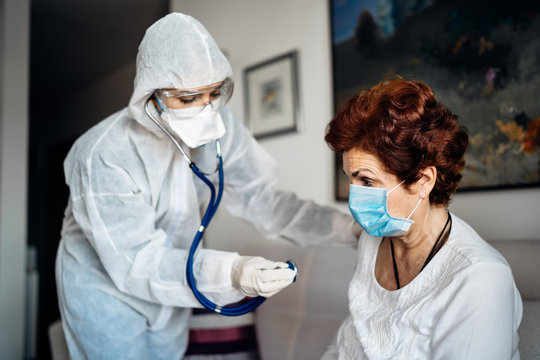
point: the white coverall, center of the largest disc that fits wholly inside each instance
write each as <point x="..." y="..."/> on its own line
<point x="134" y="208"/>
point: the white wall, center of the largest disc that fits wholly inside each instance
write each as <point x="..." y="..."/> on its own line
<point x="250" y="31"/>
<point x="14" y="31"/>
<point x="254" y="31"/>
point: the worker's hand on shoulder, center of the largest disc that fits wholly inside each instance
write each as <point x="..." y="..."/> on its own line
<point x="257" y="276"/>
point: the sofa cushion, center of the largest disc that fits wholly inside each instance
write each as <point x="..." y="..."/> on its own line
<point x="217" y="337"/>
<point x="529" y="331"/>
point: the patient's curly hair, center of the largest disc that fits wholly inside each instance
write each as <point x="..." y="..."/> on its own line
<point x="401" y="123"/>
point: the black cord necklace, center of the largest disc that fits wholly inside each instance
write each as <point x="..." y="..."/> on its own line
<point x="431" y="253"/>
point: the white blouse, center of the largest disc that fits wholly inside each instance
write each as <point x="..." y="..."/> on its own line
<point x="463" y="305"/>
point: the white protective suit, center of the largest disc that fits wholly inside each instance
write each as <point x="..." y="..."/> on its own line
<point x="135" y="205"/>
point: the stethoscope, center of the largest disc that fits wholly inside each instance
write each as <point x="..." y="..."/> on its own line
<point x="211" y="209"/>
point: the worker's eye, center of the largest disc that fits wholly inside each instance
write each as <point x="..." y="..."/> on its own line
<point x="187" y="99"/>
<point x="215" y="94"/>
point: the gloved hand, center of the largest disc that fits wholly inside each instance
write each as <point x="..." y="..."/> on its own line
<point x="255" y="276"/>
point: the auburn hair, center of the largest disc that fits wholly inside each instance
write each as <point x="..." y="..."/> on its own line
<point x="400" y="122"/>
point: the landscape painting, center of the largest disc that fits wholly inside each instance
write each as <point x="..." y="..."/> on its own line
<point x="481" y="58"/>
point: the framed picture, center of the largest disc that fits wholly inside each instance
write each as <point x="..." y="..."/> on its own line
<point x="480" y="58"/>
<point x="271" y="96"/>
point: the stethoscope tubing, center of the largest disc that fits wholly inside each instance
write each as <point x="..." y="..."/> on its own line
<point x="211" y="209"/>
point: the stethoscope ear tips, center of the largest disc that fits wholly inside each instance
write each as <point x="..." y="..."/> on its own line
<point x="293" y="267"/>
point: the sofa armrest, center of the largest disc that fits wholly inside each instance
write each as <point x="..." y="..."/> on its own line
<point x="523" y="257"/>
<point x="529" y="331"/>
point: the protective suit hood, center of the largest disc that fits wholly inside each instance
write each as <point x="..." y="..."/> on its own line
<point x="176" y="52"/>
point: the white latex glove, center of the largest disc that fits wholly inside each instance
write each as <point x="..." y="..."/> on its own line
<point x="255" y="276"/>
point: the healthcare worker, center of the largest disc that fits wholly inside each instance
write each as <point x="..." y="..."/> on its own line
<point x="135" y="206"/>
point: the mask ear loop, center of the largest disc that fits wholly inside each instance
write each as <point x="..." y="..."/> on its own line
<point x="416" y="207"/>
<point x="395" y="187"/>
<point x="417" y="204"/>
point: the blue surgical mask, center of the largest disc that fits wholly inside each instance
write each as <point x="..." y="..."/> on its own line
<point x="368" y="206"/>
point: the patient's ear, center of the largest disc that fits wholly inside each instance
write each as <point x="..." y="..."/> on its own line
<point x="427" y="181"/>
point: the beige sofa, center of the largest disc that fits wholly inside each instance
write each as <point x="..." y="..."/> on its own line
<point x="302" y="320"/>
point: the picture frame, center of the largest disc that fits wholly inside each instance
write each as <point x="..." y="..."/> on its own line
<point x="271" y="96"/>
<point x="479" y="61"/>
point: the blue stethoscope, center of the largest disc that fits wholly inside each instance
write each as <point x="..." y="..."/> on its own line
<point x="211" y="209"/>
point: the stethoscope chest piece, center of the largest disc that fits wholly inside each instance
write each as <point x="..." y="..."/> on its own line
<point x="293" y="267"/>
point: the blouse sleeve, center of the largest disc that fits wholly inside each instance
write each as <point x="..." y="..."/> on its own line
<point x="481" y="315"/>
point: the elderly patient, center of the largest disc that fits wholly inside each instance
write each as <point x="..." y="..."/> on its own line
<point x="426" y="286"/>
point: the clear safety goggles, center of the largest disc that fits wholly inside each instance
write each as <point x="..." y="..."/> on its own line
<point x="215" y="95"/>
